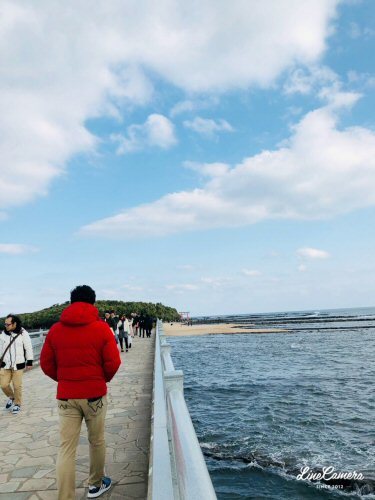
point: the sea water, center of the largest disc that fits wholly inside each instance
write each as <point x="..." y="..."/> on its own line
<point x="266" y="406"/>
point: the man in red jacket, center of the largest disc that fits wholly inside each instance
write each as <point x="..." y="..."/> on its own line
<point x="81" y="354"/>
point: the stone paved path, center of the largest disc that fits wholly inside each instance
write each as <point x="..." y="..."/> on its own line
<point x="29" y="441"/>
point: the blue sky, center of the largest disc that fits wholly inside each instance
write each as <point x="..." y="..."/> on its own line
<point x="217" y="157"/>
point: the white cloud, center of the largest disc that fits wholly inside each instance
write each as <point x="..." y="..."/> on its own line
<point x="251" y="272"/>
<point x="208" y="127"/>
<point x="207" y="169"/>
<point x="322" y="81"/>
<point x="312" y="253"/>
<point x="133" y="288"/>
<point x="182" y="107"/>
<point x="362" y="80"/>
<point x="157" y="131"/>
<point x="307" y="80"/>
<point x="302" y="268"/>
<point x="321" y="171"/>
<point x="16" y="249"/>
<point x="325" y="83"/>
<point x="190" y="105"/>
<point x="216" y="282"/>
<point x="357" y="31"/>
<point x="186" y="287"/>
<point x="337" y="99"/>
<point x="62" y="64"/>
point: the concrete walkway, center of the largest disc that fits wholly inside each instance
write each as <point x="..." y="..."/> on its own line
<point x="29" y="441"/>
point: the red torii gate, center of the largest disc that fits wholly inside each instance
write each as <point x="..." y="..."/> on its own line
<point x="184" y="315"/>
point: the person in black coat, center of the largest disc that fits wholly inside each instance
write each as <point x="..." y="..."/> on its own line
<point x="149" y="323"/>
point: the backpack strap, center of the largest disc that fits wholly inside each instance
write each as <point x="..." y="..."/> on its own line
<point x="8" y="347"/>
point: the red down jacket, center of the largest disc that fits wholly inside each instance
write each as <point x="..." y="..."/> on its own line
<point x="80" y="353"/>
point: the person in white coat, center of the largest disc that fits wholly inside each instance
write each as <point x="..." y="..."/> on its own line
<point x="121" y="336"/>
<point x="16" y="354"/>
<point x="131" y="334"/>
<point x="126" y="333"/>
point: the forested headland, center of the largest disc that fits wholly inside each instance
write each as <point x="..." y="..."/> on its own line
<point x="45" y="318"/>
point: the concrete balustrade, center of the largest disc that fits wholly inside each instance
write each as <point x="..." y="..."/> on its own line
<point x="177" y="467"/>
<point x="37" y="339"/>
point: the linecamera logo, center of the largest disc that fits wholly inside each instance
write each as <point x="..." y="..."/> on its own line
<point x="328" y="474"/>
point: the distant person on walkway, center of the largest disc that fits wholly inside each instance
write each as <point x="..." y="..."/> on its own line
<point x="135" y="324"/>
<point x="126" y="332"/>
<point x="16" y="355"/>
<point x="121" y="333"/>
<point x="141" y="323"/>
<point x="149" y="323"/>
<point x="80" y="353"/>
<point x="108" y="319"/>
<point x="131" y="334"/>
<point x="115" y="320"/>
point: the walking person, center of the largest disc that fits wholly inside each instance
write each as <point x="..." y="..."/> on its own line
<point x="149" y="323"/>
<point x="131" y="334"/>
<point x="126" y="332"/>
<point x="141" y="326"/>
<point x="115" y="320"/>
<point x="135" y="323"/>
<point x="121" y="333"/>
<point x="16" y="355"/>
<point x="81" y="355"/>
<point x="111" y="323"/>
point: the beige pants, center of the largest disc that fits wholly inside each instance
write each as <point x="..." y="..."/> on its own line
<point x="71" y="414"/>
<point x="14" y="377"/>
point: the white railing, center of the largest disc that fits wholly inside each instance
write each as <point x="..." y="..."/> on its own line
<point x="177" y="467"/>
<point x="37" y="340"/>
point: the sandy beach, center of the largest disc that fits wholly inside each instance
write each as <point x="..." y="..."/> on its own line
<point x="182" y="330"/>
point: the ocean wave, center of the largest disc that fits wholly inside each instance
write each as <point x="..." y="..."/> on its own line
<point x="291" y="400"/>
<point x="290" y="469"/>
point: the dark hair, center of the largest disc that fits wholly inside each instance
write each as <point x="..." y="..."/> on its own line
<point x="83" y="293"/>
<point x="17" y="320"/>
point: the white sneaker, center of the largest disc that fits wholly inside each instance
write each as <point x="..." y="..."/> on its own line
<point x="96" y="491"/>
<point x="9" y="404"/>
<point x="16" y="409"/>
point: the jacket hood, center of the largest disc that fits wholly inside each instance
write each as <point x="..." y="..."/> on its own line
<point x="79" y="313"/>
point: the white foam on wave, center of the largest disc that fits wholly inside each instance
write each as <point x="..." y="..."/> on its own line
<point x="295" y="346"/>
<point x="209" y="446"/>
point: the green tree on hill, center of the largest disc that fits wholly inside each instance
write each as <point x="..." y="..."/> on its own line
<point x="45" y="318"/>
